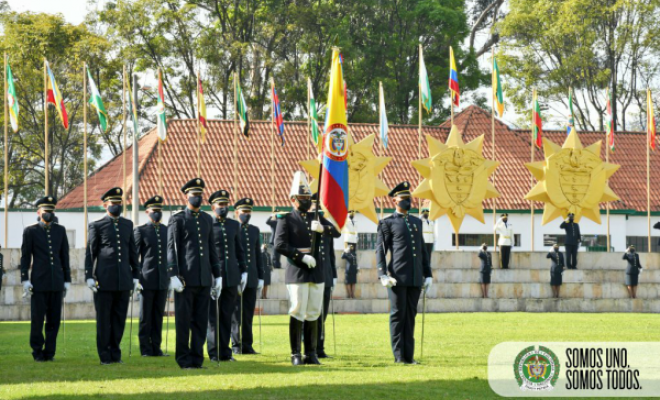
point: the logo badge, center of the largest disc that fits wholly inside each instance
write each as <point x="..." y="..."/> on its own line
<point x="118" y="190"/>
<point x="198" y="181"/>
<point x="536" y="369"/>
<point x="336" y="143"/>
<point x="157" y="198"/>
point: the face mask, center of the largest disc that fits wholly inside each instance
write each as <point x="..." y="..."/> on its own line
<point x="570" y="218"/>
<point x="304" y="205"/>
<point x="485" y="248"/>
<point x="47" y="216"/>
<point x="425" y="216"/>
<point x="195" y="201"/>
<point x="505" y="219"/>
<point x="405" y="204"/>
<point x="351" y="216"/>
<point x="114" y="210"/>
<point x="156" y="216"/>
<point x="632" y="250"/>
<point x="556" y="249"/>
<point x="221" y="211"/>
<point x="245" y="218"/>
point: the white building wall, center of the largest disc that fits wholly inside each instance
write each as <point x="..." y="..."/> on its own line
<point x="620" y="227"/>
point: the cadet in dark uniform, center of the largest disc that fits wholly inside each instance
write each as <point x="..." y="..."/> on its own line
<point x="45" y="248"/>
<point x="268" y="269"/>
<point x="112" y="270"/>
<point x="272" y="222"/>
<point x="241" y="325"/>
<point x="232" y="270"/>
<point x="572" y="241"/>
<point x="351" y="270"/>
<point x="304" y="281"/>
<point x="485" y="269"/>
<point x="326" y="260"/>
<point x="151" y="243"/>
<point x="407" y="272"/>
<point x="556" y="269"/>
<point x="633" y="270"/>
<point x="193" y="267"/>
<point x="2" y="270"/>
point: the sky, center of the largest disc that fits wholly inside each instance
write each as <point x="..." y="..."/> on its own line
<point x="74" y="12"/>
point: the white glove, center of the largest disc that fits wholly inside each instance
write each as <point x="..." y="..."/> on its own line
<point x="427" y="283"/>
<point x="27" y="289"/>
<point x="387" y="281"/>
<point x="91" y="283"/>
<point x="137" y="287"/>
<point x="640" y="271"/>
<point x="317" y="227"/>
<point x="214" y="294"/>
<point x="217" y="284"/>
<point x="309" y="260"/>
<point x="175" y="284"/>
<point x="260" y="285"/>
<point x="334" y="282"/>
<point x="243" y="282"/>
<point x="67" y="285"/>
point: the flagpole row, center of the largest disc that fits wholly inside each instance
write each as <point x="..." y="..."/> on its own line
<point x="272" y="144"/>
<point x="46" y="182"/>
<point x="492" y="137"/>
<point x="233" y="183"/>
<point x="608" y="132"/>
<point x="199" y="127"/>
<point x="651" y="120"/>
<point x="419" y="129"/>
<point x="125" y="144"/>
<point x="531" y="178"/>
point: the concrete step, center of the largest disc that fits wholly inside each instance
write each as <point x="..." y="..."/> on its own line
<point x="21" y="312"/>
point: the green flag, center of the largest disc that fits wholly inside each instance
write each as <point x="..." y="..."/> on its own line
<point x="12" y="100"/>
<point x="313" y="116"/>
<point x="96" y="102"/>
<point x="131" y="107"/>
<point x="241" y="110"/>
<point x="424" y="86"/>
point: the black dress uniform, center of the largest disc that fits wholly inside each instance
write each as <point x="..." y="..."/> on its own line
<point x="232" y="265"/>
<point x="111" y="258"/>
<point x="632" y="269"/>
<point x="351" y="270"/>
<point x="327" y="261"/>
<point x="572" y="241"/>
<point x="45" y="248"/>
<point x="556" y="267"/>
<point x="242" y="325"/>
<point x="486" y="267"/>
<point x="151" y="242"/>
<point x="193" y="257"/>
<point x="272" y="223"/>
<point x="2" y="270"/>
<point x="268" y="266"/>
<point x="401" y="235"/>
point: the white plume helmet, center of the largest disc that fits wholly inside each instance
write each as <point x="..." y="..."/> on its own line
<point x="299" y="186"/>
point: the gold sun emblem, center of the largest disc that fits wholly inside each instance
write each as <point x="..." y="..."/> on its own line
<point x="363" y="182"/>
<point x="571" y="179"/>
<point x="455" y="178"/>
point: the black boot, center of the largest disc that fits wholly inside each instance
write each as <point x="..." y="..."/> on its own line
<point x="295" y="336"/>
<point x="311" y="339"/>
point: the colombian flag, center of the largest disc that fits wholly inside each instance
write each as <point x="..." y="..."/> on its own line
<point x="54" y="97"/>
<point x="650" y="120"/>
<point x="333" y="188"/>
<point x="453" y="79"/>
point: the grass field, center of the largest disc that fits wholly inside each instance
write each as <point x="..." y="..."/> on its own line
<point x="454" y="364"/>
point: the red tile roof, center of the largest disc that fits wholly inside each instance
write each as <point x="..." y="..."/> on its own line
<point x="512" y="179"/>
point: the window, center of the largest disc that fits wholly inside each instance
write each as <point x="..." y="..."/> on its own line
<point x="641" y="243"/>
<point x="367" y="241"/>
<point x="477" y="239"/>
<point x="591" y="242"/>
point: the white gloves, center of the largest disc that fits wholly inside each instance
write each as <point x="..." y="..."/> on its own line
<point x="334" y="282"/>
<point x="387" y="281"/>
<point x="260" y="285"/>
<point x="67" y="285"/>
<point x="309" y="260"/>
<point x="243" y="284"/>
<point x="137" y="287"/>
<point x="217" y="288"/>
<point x="317" y="227"/>
<point x="91" y="283"/>
<point x="175" y="284"/>
<point x="27" y="289"/>
<point x="427" y="283"/>
<point x="641" y="270"/>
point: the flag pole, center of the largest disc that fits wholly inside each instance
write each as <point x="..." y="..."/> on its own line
<point x="135" y="198"/>
<point x="531" y="178"/>
<point x="233" y="183"/>
<point x="648" y="171"/>
<point x="46" y="183"/>
<point x="6" y="158"/>
<point x="492" y="138"/>
<point x="158" y="145"/>
<point x="272" y="143"/>
<point x="123" y="153"/>
<point x="419" y="128"/>
<point x="309" y="118"/>
<point x="380" y="139"/>
<point x="199" y="128"/>
<point x="607" y="160"/>
<point x="85" y="147"/>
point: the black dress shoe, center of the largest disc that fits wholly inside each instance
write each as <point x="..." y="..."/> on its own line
<point x="236" y="351"/>
<point x="147" y="355"/>
<point x="413" y="362"/>
<point x="249" y="351"/>
<point x="49" y="359"/>
<point x="118" y="362"/>
<point x="322" y="354"/>
<point x="199" y="367"/>
<point x="296" y="359"/>
<point x="398" y="361"/>
<point x="106" y="362"/>
<point x="187" y="367"/>
<point x="214" y="359"/>
<point x="227" y="359"/>
<point x="311" y="359"/>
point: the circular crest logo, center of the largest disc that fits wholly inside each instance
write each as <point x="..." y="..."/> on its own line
<point x="336" y="143"/>
<point x="536" y="368"/>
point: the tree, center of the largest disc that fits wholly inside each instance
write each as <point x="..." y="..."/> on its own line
<point x="589" y="45"/>
<point x="27" y="39"/>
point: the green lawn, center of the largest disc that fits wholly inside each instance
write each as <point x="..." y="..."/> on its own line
<point x="454" y="363"/>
